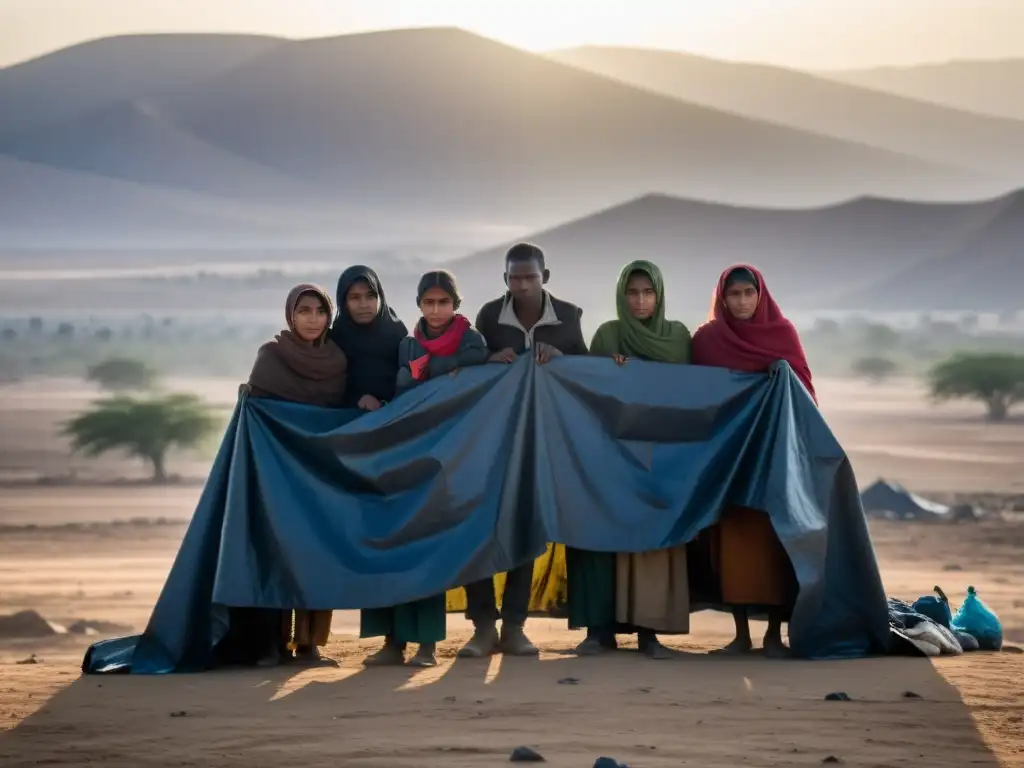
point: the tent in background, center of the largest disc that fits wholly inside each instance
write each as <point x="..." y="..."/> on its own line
<point x="892" y="501"/>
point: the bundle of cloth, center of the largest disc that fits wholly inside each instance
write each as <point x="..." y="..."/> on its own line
<point x="930" y="627"/>
<point x="919" y="634"/>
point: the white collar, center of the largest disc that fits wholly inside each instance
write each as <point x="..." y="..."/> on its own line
<point x="508" y="314"/>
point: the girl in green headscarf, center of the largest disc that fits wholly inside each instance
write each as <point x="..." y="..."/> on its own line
<point x="646" y="592"/>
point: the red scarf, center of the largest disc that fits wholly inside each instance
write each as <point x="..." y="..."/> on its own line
<point x="445" y="345"/>
<point x="750" y="345"/>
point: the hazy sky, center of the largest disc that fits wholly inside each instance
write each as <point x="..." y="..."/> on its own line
<point x="798" y="33"/>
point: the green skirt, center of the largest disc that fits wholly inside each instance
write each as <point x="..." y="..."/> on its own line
<point x="421" y="621"/>
<point x="591" y="587"/>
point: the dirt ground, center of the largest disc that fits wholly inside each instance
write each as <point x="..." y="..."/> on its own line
<point x="103" y="551"/>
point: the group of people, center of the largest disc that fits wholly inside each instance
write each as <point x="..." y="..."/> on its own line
<point x="366" y="357"/>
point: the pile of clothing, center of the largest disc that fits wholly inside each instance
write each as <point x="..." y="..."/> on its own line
<point x="929" y="627"/>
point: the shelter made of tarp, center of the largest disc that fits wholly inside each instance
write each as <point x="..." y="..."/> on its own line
<point x="893" y="501"/>
<point x="466" y="477"/>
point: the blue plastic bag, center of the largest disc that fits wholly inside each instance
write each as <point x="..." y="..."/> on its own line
<point x="977" y="619"/>
<point x="935" y="607"/>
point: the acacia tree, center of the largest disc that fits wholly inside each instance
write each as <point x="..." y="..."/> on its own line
<point x="995" y="378"/>
<point x="118" y="374"/>
<point x="142" y="428"/>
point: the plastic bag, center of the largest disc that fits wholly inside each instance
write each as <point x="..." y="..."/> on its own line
<point x="935" y="607"/>
<point x="977" y="619"/>
<point x="967" y="642"/>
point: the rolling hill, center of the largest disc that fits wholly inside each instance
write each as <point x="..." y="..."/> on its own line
<point x="804" y="101"/>
<point x="45" y="207"/>
<point x="452" y="118"/>
<point x="93" y="75"/>
<point x="138" y="141"/>
<point x="443" y="123"/>
<point x="986" y="87"/>
<point x="62" y="208"/>
<point x="811" y="257"/>
<point x="982" y="271"/>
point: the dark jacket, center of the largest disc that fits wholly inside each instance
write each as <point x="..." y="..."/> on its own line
<point x="472" y="351"/>
<point x="560" y="328"/>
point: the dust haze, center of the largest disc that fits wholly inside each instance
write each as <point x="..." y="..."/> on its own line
<point x="161" y="194"/>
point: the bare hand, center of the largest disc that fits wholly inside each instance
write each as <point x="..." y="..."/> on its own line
<point x="546" y="352"/>
<point x="244" y="388"/>
<point x="368" y="403"/>
<point x="506" y="355"/>
<point x="620" y="359"/>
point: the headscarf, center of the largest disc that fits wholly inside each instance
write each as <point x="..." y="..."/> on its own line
<point x="290" y="369"/>
<point x="750" y="345"/>
<point x="655" y="339"/>
<point x="372" y="350"/>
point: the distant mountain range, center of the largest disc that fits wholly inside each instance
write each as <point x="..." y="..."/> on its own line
<point x="845" y="187"/>
<point x="226" y="139"/>
<point x="902" y="124"/>
<point x="867" y="254"/>
<point x="986" y="87"/>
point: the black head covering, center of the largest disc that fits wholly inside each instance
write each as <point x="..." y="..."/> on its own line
<point x="372" y="350"/>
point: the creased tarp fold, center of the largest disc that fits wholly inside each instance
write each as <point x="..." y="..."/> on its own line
<point x="470" y="476"/>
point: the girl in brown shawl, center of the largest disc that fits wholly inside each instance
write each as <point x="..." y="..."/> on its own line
<point x="302" y="365"/>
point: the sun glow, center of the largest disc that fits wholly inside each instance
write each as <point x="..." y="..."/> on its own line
<point x="799" y="33"/>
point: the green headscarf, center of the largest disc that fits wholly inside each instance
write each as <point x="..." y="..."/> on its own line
<point x="656" y="339"/>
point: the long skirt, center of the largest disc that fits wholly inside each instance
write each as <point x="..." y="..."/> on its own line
<point x="653" y="590"/>
<point x="752" y="564"/>
<point x="591" y="588"/>
<point x="421" y="621"/>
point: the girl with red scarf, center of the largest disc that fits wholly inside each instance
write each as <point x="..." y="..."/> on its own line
<point x="747" y="332"/>
<point x="443" y="342"/>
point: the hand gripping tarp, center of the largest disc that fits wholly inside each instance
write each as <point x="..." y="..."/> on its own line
<point x="465" y="477"/>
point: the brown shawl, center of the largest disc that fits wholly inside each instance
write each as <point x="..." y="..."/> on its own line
<point x="286" y="368"/>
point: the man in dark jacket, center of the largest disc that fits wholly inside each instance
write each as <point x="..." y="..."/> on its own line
<point x="526" y="320"/>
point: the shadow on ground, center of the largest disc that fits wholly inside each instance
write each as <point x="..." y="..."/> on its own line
<point x="693" y="710"/>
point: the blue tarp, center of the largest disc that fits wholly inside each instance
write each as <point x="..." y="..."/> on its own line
<point x="468" y="476"/>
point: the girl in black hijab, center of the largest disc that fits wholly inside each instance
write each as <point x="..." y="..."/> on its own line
<point x="369" y="333"/>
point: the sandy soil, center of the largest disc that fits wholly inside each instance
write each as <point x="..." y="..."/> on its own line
<point x="74" y="562"/>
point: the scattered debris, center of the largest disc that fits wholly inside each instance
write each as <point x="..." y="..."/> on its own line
<point x="831" y="759"/>
<point x="526" y="755"/>
<point x="569" y="681"/>
<point x="179" y="713"/>
<point x="608" y="762"/>
<point x="30" y="660"/>
<point x="25" y="625"/>
<point x="952" y="568"/>
<point x="838" y="696"/>
<point x="911" y="695"/>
